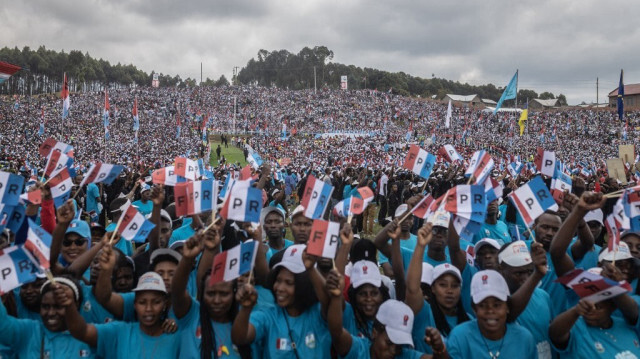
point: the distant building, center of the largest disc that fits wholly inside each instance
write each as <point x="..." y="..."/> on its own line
<point x="461" y="100"/>
<point x="538" y="104"/>
<point x="489" y="102"/>
<point x="631" y="97"/>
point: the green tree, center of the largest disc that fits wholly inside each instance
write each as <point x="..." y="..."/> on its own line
<point x="546" y="96"/>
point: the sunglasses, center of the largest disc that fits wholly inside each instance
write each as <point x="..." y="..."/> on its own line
<point x="78" y="242"/>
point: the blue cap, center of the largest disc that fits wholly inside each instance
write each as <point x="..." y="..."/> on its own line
<point x="79" y="227"/>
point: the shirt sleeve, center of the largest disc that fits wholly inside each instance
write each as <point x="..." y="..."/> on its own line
<point x="359" y="348"/>
<point x="128" y="312"/>
<point x="261" y="321"/>
<point x="108" y="337"/>
<point x="15" y="330"/>
<point x="47" y="215"/>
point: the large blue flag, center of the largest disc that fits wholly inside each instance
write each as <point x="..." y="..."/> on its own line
<point x="509" y="92"/>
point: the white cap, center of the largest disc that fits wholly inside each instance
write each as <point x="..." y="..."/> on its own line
<point x="397" y="319"/>
<point x="427" y="273"/>
<point x="365" y="272"/>
<point x="440" y="218"/>
<point x="515" y="254"/>
<point x="292" y="259"/>
<point x="595" y="270"/>
<point x="445" y="268"/>
<point x="488" y="283"/>
<point x="483" y="242"/>
<point x="401" y="210"/>
<point x="297" y="210"/>
<point x="622" y="253"/>
<point x="151" y="281"/>
<point x="595" y="215"/>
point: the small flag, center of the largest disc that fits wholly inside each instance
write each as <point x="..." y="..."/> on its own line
<point x="480" y="166"/>
<point x="358" y="204"/>
<point x="515" y="168"/>
<point x="614" y="227"/>
<point x="38" y="244"/>
<point x="419" y="161"/>
<point x="450" y="153"/>
<point x="342" y="209"/>
<point x="560" y="183"/>
<point x="56" y="161"/>
<point x="467" y="201"/>
<point x="421" y="210"/>
<point x="16" y="268"/>
<point x="10" y="188"/>
<point x="134" y="227"/>
<point x="324" y="238"/>
<point x="532" y="199"/>
<point x="315" y="198"/>
<point x="102" y="172"/>
<point x="243" y="204"/>
<point x="186" y="168"/>
<point x="33" y="197"/>
<point x="545" y="162"/>
<point x="15" y="220"/>
<point x="60" y="186"/>
<point x="166" y="176"/>
<point x="195" y="197"/>
<point x="231" y="264"/>
<point x="493" y="190"/>
<point x="50" y="144"/>
<point x="254" y="160"/>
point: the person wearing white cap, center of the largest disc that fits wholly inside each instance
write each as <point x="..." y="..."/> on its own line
<point x="490" y="335"/>
<point x="294" y="327"/>
<point x="300" y="226"/>
<point x="624" y="262"/>
<point x="492" y="226"/>
<point x="593" y="330"/>
<point x="522" y="269"/>
<point x="272" y="220"/>
<point x="402" y="233"/>
<point x="391" y="330"/>
<point x="142" y="339"/>
<point x="144" y="204"/>
<point x="632" y="239"/>
<point x="365" y="293"/>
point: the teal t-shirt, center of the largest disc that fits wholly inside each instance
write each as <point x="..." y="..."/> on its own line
<point x="181" y="234"/>
<point x="277" y="330"/>
<point x="619" y="341"/>
<point x="536" y="318"/>
<point x="350" y="324"/>
<point x="124" y="245"/>
<point x="92" y="193"/>
<point x="466" y="341"/>
<point x="144" y="208"/>
<point x="498" y="231"/>
<point x="126" y="340"/>
<point x="361" y="349"/>
<point x="93" y="312"/>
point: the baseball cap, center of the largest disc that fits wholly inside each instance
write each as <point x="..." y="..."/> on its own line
<point x="97" y="226"/>
<point x="365" y="272"/>
<point x="622" y="253"/>
<point x="292" y="259"/>
<point x="488" y="283"/>
<point x="151" y="281"/>
<point x="164" y="252"/>
<point x="164" y="215"/>
<point x="630" y="232"/>
<point x="275" y="192"/>
<point x="177" y="244"/>
<point x="427" y="273"/>
<point x="445" y="268"/>
<point x="400" y="210"/>
<point x="297" y="210"/>
<point x="440" y="219"/>
<point x="515" y="254"/>
<point x="397" y="318"/>
<point x="79" y="227"/>
<point x="595" y="215"/>
<point x="485" y="242"/>
<point x="144" y="187"/>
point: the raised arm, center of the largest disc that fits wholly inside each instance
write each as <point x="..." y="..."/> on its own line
<point x="560" y="328"/>
<point x="181" y="301"/>
<point x="316" y="279"/>
<point x="66" y="212"/>
<point x="243" y="332"/>
<point x="342" y="257"/>
<point x="113" y="302"/>
<point x="521" y="297"/>
<point x="157" y="198"/>
<point x="340" y="337"/>
<point x="414" y="297"/>
<point x="211" y="248"/>
<point x="83" y="261"/>
<point x="382" y="238"/>
<point x="457" y="255"/>
<point x="397" y="264"/>
<point x="76" y="325"/>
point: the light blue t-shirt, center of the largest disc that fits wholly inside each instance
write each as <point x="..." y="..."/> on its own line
<point x="619" y="341"/>
<point x="498" y="231"/>
<point x="536" y="318"/>
<point x="350" y="324"/>
<point x="124" y="245"/>
<point x="126" y="340"/>
<point x="191" y="340"/>
<point x="144" y="208"/>
<point x="590" y="258"/>
<point x="93" y="312"/>
<point x="265" y="298"/>
<point x="361" y="349"/>
<point x="92" y="193"/>
<point x="422" y="320"/>
<point x="181" y="234"/>
<point x="466" y="341"/>
<point x="25" y="337"/>
<point x="22" y="311"/>
<point x="272" y="251"/>
<point x="276" y="329"/>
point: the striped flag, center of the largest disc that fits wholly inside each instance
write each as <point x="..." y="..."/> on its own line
<point x="480" y="166"/>
<point x="66" y="102"/>
<point x="10" y="188"/>
<point x="515" y="168"/>
<point x="545" y="162"/>
<point x="449" y="153"/>
<point x="56" y="161"/>
<point x="51" y="144"/>
<point x="186" y="168"/>
<point x="532" y="199"/>
<point x="33" y="197"/>
<point x="467" y="201"/>
<point x="493" y="189"/>
<point x="421" y="210"/>
<point x="324" y="238"/>
<point x="419" y="161"/>
<point x="102" y="172"/>
<point x="358" y="204"/>
<point x="231" y="264"/>
<point x="16" y="268"/>
<point x="38" y="244"/>
<point x="136" y="119"/>
<point x="614" y="228"/>
<point x="133" y="226"/>
<point x="60" y="185"/>
<point x="166" y="176"/>
<point x="254" y="160"/>
<point x="315" y="198"/>
<point x="195" y="197"/>
<point x="243" y="204"/>
<point x="559" y="183"/>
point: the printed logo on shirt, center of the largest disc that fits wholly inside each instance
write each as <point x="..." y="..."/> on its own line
<point x="46" y="355"/>
<point x="282" y="344"/>
<point x="310" y="341"/>
<point x="635" y="342"/>
<point x="199" y="332"/>
<point x="293" y="251"/>
<point x="84" y="353"/>
<point x="108" y="320"/>
<point x="626" y="355"/>
<point x="87" y="306"/>
<point x="599" y="347"/>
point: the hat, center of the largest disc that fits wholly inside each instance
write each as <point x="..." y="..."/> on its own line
<point x="515" y="254"/>
<point x="177" y="244"/>
<point x="96" y="225"/>
<point x="488" y="283"/>
<point x="151" y="281"/>
<point x="164" y="252"/>
<point x="292" y="259"/>
<point x="401" y="210"/>
<point x="621" y="254"/>
<point x="79" y="227"/>
<point x="297" y="210"/>
<point x="440" y="219"/>
<point x="483" y="242"/>
<point x="427" y="273"/>
<point x="144" y="187"/>
<point x="397" y="319"/>
<point x="365" y="272"/>
<point x="164" y="215"/>
<point x="275" y="192"/>
<point x="595" y="215"/>
<point x="445" y="268"/>
<point x="630" y="232"/>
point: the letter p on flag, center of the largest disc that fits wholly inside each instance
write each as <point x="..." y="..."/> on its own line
<point x="324" y="238"/>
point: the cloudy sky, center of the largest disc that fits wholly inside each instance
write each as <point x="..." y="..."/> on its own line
<point x="560" y="46"/>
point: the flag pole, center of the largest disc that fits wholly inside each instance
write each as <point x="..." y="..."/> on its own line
<point x="517" y="78"/>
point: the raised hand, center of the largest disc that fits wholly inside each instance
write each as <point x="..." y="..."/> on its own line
<point x="434" y="339"/>
<point x="107" y="258"/>
<point x="211" y="239"/>
<point x="193" y="246"/>
<point x="584" y="307"/>
<point x="334" y="284"/>
<point x="309" y="260"/>
<point x="247" y="296"/>
<point x="539" y="258"/>
<point x="346" y="234"/>
<point x="395" y="230"/>
<point x="157" y="195"/>
<point x="425" y="234"/>
<point x="66" y="212"/>
<point x="63" y="295"/>
<point x="591" y="200"/>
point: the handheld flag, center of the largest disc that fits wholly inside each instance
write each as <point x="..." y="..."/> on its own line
<point x="509" y="93"/>
<point x="231" y="264"/>
<point x="546" y="162"/>
<point x="56" y="161"/>
<point x="315" y="198"/>
<point x="102" y="172"/>
<point x="133" y="226"/>
<point x="419" y="161"/>
<point x="493" y="189"/>
<point x="421" y="210"/>
<point x="560" y="183"/>
<point x="66" y="102"/>
<point x="195" y="197"/>
<point x="10" y="188"/>
<point x="33" y="197"/>
<point x="186" y="168"/>
<point x="515" y="168"/>
<point x="450" y="153"/>
<point x="324" y="238"/>
<point x="358" y="204"/>
<point x="480" y="166"/>
<point x="38" y="244"/>
<point x="50" y="144"/>
<point x="60" y="186"/>
<point x="16" y="268"/>
<point x="166" y="176"/>
<point x="254" y="160"/>
<point x="532" y="199"/>
<point x="614" y="228"/>
<point x="467" y="201"/>
<point x="243" y="204"/>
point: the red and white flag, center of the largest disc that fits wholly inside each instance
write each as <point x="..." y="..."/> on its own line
<point x="324" y="238"/>
<point x="545" y="162"/>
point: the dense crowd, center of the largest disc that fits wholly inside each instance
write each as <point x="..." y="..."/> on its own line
<point x="398" y="286"/>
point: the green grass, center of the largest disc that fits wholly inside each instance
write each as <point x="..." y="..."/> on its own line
<point x="232" y="154"/>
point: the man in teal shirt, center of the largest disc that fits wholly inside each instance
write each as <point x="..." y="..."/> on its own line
<point x="144" y="204"/>
<point x="493" y="227"/>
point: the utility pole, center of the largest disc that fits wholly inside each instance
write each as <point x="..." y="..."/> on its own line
<point x="235" y="75"/>
<point x="201" y="73"/>
<point x="597" y="92"/>
<point x="315" y="88"/>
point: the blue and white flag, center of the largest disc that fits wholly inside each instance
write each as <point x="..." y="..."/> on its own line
<point x="16" y="268"/>
<point x="509" y="93"/>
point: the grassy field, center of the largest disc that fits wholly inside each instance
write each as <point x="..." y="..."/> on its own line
<point x="232" y="154"/>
